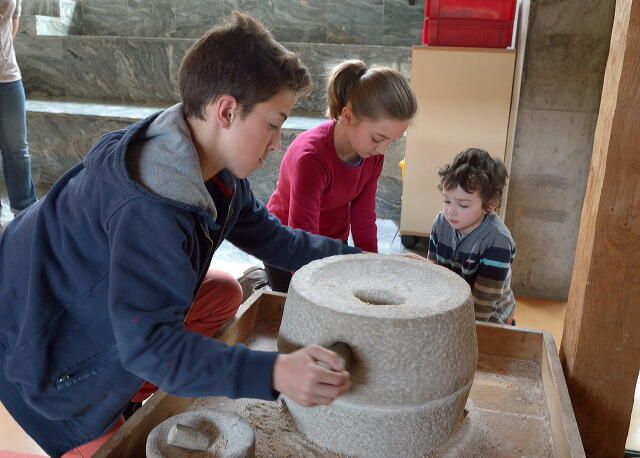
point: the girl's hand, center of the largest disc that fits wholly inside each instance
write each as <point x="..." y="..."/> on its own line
<point x="410" y="255"/>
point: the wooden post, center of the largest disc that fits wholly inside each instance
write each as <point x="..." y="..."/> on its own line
<point x="600" y="350"/>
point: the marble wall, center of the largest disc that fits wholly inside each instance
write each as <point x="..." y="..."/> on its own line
<point x="58" y="141"/>
<point x="145" y="70"/>
<point x="41" y="7"/>
<point x="371" y="22"/>
<point x="51" y="17"/>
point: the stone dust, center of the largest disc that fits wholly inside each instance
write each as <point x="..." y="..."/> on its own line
<point x="276" y="435"/>
<point x="507" y="413"/>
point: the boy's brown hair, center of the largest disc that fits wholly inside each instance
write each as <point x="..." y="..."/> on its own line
<point x="475" y="170"/>
<point x="376" y="93"/>
<point x="241" y="58"/>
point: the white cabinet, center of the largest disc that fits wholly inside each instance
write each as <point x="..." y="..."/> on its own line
<point x="464" y="101"/>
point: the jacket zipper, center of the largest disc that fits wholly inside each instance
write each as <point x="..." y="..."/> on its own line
<point x="212" y="250"/>
<point x="224" y="226"/>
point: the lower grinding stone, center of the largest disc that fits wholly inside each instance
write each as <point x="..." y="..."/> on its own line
<point x="230" y="435"/>
<point x="469" y="439"/>
<point x="382" y="431"/>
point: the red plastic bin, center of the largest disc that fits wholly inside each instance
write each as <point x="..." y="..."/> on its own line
<point x="497" y="10"/>
<point x="467" y="32"/>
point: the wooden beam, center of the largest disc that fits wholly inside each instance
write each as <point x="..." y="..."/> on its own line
<point x="600" y="349"/>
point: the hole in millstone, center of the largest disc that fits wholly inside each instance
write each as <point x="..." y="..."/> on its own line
<point x="379" y="297"/>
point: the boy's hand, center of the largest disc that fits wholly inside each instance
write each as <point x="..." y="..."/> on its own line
<point x="300" y="377"/>
<point x="405" y="254"/>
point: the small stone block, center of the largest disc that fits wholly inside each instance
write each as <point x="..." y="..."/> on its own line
<point x="186" y="437"/>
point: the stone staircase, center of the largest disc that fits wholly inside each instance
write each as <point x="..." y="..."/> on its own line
<point x="118" y="62"/>
<point x="50" y="17"/>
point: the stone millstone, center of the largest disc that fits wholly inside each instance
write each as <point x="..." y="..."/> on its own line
<point x="226" y="434"/>
<point x="411" y="328"/>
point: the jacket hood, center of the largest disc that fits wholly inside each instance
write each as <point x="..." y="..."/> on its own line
<point x="157" y="156"/>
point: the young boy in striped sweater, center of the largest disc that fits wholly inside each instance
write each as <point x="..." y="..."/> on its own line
<point x="470" y="239"/>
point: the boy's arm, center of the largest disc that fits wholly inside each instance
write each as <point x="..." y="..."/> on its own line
<point x="261" y="234"/>
<point x="494" y="272"/>
<point x="150" y="290"/>
<point x="363" y="213"/>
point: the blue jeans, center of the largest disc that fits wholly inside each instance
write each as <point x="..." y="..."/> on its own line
<point x="16" y="162"/>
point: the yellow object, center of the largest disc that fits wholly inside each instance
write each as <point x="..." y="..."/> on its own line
<point x="401" y="164"/>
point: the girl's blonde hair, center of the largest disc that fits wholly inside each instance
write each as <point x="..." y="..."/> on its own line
<point x="377" y="93"/>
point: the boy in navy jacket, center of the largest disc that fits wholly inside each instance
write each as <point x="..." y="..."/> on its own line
<point x="98" y="278"/>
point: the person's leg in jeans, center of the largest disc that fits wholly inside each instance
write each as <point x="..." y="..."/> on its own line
<point x="16" y="162"/>
<point x="217" y="302"/>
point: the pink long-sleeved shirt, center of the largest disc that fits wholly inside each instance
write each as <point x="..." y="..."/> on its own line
<point x="318" y="192"/>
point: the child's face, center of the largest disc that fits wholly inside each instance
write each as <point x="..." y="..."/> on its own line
<point x="371" y="138"/>
<point x="250" y="140"/>
<point x="464" y="211"/>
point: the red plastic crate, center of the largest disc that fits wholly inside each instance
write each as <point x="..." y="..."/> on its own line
<point x="497" y="10"/>
<point x="467" y="32"/>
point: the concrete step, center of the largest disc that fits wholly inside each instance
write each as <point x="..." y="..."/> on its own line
<point x="45" y="25"/>
<point x="145" y="70"/>
<point x="62" y="131"/>
<point x="51" y="17"/>
<point x="375" y="22"/>
<point x="41" y="8"/>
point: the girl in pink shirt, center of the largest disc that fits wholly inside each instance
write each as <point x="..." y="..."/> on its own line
<point x="329" y="174"/>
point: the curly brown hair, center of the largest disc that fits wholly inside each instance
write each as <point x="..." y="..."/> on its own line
<point x="475" y="170"/>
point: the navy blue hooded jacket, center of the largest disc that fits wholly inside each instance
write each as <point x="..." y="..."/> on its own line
<point x="97" y="277"/>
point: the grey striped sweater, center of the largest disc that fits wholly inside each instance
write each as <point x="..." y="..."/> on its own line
<point x="483" y="258"/>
